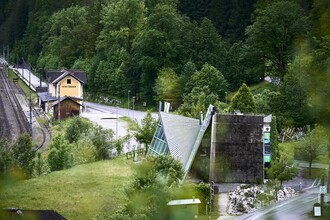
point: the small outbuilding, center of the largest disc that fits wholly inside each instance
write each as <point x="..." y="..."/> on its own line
<point x="183" y="209"/>
<point x="68" y="107"/>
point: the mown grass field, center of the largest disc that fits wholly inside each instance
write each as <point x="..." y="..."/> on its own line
<point x="81" y="192"/>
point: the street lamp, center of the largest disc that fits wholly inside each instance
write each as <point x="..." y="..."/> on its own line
<point x="226" y="97"/>
<point x="128" y="102"/>
<point x="133" y="107"/>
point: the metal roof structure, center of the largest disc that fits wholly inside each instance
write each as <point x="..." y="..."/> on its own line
<point x="180" y="137"/>
<point x="180" y="133"/>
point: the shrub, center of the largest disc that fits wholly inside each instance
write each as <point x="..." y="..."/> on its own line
<point x="75" y="128"/>
<point x="60" y="156"/>
<point x="24" y="154"/>
<point x="84" y="151"/>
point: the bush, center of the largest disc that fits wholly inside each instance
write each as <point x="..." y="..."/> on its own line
<point x="24" y="154"/>
<point x="40" y="165"/>
<point x="75" y="128"/>
<point x="6" y="159"/>
<point x="101" y="139"/>
<point x="60" y="156"/>
<point x="84" y="151"/>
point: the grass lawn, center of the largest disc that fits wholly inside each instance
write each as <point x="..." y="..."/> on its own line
<point x="315" y="173"/>
<point x="81" y="192"/>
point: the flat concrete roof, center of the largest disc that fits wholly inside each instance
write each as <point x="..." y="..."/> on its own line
<point x="184" y="202"/>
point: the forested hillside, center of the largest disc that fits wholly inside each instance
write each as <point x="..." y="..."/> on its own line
<point x="193" y="52"/>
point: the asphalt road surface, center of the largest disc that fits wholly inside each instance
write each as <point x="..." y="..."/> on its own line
<point x="293" y="209"/>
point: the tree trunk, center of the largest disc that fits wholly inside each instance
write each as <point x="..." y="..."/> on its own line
<point x="310" y="168"/>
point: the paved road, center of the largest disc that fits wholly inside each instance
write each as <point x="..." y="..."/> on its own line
<point x="136" y="115"/>
<point x="296" y="208"/>
<point x="106" y="116"/>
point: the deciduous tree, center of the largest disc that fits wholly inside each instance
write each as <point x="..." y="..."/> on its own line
<point x="274" y="32"/>
<point x="167" y="85"/>
<point x="212" y="78"/>
<point x="313" y="145"/>
<point x="146" y="130"/>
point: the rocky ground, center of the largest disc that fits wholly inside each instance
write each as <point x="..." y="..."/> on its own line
<point x="237" y="199"/>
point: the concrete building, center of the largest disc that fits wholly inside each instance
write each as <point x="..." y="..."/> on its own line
<point x="219" y="147"/>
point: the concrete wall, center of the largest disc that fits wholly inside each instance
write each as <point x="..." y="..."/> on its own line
<point x="236" y="148"/>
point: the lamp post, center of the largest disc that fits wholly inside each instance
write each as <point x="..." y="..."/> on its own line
<point x="128" y="102"/>
<point x="133" y="107"/>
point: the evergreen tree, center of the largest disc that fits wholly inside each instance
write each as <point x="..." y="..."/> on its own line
<point x="243" y="101"/>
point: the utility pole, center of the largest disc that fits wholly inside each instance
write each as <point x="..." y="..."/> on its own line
<point x="328" y="185"/>
<point x="7" y="53"/>
<point x="30" y="101"/>
<point x="117" y="122"/>
<point x="128" y="102"/>
<point x="40" y="70"/>
<point x="133" y="107"/>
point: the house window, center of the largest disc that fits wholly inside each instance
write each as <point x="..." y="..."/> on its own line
<point x="68" y="81"/>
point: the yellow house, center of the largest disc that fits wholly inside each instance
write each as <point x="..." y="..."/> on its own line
<point x="66" y="83"/>
<point x="62" y="83"/>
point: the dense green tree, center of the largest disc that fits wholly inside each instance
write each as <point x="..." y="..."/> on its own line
<point x="229" y="17"/>
<point x="122" y="20"/>
<point x="188" y="69"/>
<point x="208" y="47"/>
<point x="159" y="45"/>
<point x="294" y="103"/>
<point x="197" y="101"/>
<point x="315" y="69"/>
<point x="243" y="101"/>
<point x="109" y="77"/>
<point x="212" y="78"/>
<point x="313" y="145"/>
<point x="282" y="170"/>
<point x="167" y="85"/>
<point x="66" y="38"/>
<point x="146" y="130"/>
<point x="265" y="101"/>
<point x="24" y="154"/>
<point x="274" y="32"/>
<point x="13" y="21"/>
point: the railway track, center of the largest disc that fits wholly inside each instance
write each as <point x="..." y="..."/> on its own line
<point x="12" y="114"/>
